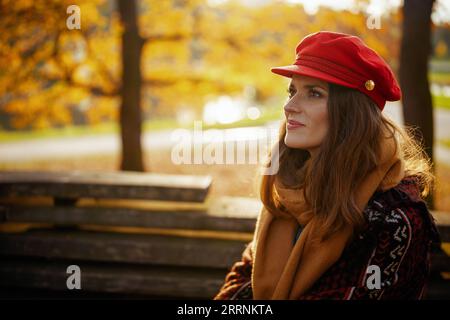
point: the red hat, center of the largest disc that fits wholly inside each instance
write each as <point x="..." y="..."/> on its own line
<point x="345" y="60"/>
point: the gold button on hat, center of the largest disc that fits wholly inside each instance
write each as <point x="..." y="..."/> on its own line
<point x="370" y="85"/>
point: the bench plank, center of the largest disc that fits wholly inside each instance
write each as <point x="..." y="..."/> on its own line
<point x="195" y="220"/>
<point x="120" y="185"/>
<point x="139" y="248"/>
<point x="440" y="261"/>
<point x="219" y="216"/>
<point x="222" y="214"/>
<point x="165" y="282"/>
<point x="124" y="248"/>
<point x="437" y="289"/>
<point x="443" y="224"/>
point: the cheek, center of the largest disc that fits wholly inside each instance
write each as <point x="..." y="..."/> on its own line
<point x="320" y="120"/>
<point x="312" y="135"/>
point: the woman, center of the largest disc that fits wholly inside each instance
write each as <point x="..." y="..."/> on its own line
<point x="343" y="218"/>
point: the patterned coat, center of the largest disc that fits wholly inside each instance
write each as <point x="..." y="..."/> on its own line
<point x="398" y="239"/>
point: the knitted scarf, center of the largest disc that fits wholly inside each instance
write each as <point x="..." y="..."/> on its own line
<point x="283" y="270"/>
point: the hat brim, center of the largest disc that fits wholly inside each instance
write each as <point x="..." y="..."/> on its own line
<point x="288" y="71"/>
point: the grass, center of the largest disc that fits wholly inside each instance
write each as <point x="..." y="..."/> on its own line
<point x="440" y="78"/>
<point x="68" y="131"/>
<point x="441" y="102"/>
<point x="443" y="79"/>
<point x="445" y="142"/>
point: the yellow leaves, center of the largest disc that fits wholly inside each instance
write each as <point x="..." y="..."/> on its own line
<point x="90" y="14"/>
<point x="44" y="108"/>
<point x="73" y="96"/>
<point x="84" y="74"/>
<point x="163" y="57"/>
<point x="72" y="49"/>
<point x="22" y="5"/>
<point x="166" y="17"/>
<point x="51" y="69"/>
<point x="103" y="109"/>
<point x="222" y="48"/>
<point x="441" y="49"/>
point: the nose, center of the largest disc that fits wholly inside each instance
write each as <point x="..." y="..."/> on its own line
<point x="292" y="106"/>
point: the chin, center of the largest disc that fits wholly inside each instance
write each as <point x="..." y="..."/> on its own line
<point x="298" y="143"/>
<point x="294" y="144"/>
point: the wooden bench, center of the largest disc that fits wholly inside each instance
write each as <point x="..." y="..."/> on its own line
<point x="131" y="234"/>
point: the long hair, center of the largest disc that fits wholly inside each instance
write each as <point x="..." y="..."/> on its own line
<point x="348" y="153"/>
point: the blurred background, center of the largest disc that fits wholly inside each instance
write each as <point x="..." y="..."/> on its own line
<point x="109" y="95"/>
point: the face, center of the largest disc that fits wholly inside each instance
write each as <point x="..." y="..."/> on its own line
<point x="306" y="113"/>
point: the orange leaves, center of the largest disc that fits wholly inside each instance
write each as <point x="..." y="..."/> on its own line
<point x="193" y="50"/>
<point x="102" y="109"/>
<point x="40" y="109"/>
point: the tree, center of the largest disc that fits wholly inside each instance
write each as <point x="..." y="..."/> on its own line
<point x="414" y="53"/>
<point x="142" y="59"/>
<point x="130" y="109"/>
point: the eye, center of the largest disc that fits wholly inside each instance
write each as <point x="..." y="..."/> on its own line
<point x="314" y="93"/>
<point x="290" y="92"/>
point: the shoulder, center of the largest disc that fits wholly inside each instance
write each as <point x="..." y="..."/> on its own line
<point x="401" y="212"/>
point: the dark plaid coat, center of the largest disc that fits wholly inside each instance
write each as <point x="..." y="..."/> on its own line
<point x="398" y="239"/>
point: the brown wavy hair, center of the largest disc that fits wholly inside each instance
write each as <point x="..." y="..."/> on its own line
<point x="347" y="154"/>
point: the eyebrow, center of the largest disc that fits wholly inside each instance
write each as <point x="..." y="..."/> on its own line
<point x="308" y="86"/>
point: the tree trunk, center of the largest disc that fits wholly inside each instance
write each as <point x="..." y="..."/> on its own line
<point x="130" y="109"/>
<point x="413" y="73"/>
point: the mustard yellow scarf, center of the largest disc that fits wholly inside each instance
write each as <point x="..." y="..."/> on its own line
<point x="283" y="270"/>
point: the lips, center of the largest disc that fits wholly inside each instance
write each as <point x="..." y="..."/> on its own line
<point x="292" y="124"/>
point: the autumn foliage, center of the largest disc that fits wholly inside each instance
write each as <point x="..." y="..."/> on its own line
<point x="192" y="50"/>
